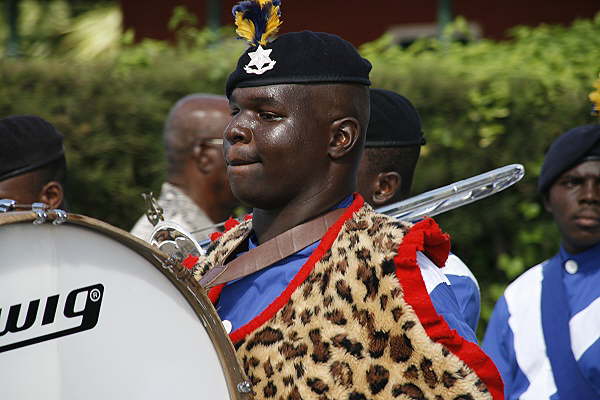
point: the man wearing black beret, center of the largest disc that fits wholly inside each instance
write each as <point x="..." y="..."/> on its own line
<point x="32" y="161"/>
<point x="393" y="143"/>
<point x="392" y="147"/>
<point x="544" y="334"/>
<point x="330" y="301"/>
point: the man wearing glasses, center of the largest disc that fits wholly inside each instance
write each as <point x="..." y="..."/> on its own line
<point x="196" y="193"/>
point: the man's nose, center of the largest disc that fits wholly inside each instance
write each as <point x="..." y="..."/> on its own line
<point x="236" y="133"/>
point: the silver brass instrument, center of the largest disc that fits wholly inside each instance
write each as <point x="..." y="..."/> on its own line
<point x="431" y="203"/>
<point x="455" y="195"/>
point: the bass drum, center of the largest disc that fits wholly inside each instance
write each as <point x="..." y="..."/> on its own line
<point x="88" y="311"/>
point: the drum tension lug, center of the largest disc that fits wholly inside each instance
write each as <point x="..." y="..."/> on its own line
<point x="244" y="387"/>
<point x="7" y="205"/>
<point x="60" y="217"/>
<point x="40" y="210"/>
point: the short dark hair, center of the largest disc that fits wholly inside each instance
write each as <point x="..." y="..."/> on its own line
<point x="402" y="159"/>
<point x="54" y="171"/>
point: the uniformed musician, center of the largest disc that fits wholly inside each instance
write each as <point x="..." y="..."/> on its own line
<point x="544" y="334"/>
<point x="392" y="147"/>
<point x="344" y="314"/>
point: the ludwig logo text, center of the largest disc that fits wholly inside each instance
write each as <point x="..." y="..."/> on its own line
<point x="59" y="315"/>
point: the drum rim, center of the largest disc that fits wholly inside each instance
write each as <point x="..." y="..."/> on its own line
<point x="179" y="276"/>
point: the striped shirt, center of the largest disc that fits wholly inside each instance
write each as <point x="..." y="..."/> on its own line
<point x="515" y="338"/>
<point x="465" y="288"/>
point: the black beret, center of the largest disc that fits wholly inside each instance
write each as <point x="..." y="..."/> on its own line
<point x="570" y="149"/>
<point x="27" y="142"/>
<point x="394" y="121"/>
<point x="302" y="57"/>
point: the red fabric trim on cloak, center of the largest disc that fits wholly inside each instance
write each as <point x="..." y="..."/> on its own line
<point x="215" y="236"/>
<point x="190" y="261"/>
<point x="230" y="223"/>
<point x="214" y="293"/>
<point x="427" y="237"/>
<point x="268" y="313"/>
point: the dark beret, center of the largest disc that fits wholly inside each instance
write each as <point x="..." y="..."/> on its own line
<point x="570" y="149"/>
<point x="394" y="121"/>
<point x="27" y="142"/>
<point x="302" y="57"/>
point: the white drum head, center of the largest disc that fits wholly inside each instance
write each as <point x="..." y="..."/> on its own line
<point x="85" y="317"/>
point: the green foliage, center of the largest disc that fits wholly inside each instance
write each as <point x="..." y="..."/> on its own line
<point x="112" y="113"/>
<point x="487" y="104"/>
<point x="484" y="105"/>
<point x="66" y="27"/>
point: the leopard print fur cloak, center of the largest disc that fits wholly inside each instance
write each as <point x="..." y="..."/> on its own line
<point x="345" y="329"/>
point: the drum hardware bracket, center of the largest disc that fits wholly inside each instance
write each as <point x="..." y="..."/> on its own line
<point x="173" y="265"/>
<point x="244" y="387"/>
<point x="60" y="217"/>
<point x="40" y="210"/>
<point x="182" y="273"/>
<point x="171" y="262"/>
<point x="7" y="205"/>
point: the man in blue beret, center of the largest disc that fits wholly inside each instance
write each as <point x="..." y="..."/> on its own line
<point x="325" y="298"/>
<point x="385" y="174"/>
<point x="544" y="334"/>
<point x="32" y="161"/>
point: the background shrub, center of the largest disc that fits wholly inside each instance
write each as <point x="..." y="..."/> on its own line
<point x="112" y="115"/>
<point x="484" y="105"/>
<point x="487" y="104"/>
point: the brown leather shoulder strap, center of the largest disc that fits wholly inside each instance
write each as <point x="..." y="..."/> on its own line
<point x="271" y="251"/>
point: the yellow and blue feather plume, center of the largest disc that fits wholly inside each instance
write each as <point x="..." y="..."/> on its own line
<point x="257" y="20"/>
<point x="595" y="98"/>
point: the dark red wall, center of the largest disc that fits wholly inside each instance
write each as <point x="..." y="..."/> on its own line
<point x="498" y="16"/>
<point x="361" y="21"/>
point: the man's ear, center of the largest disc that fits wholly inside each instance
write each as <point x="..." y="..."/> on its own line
<point x="52" y="194"/>
<point x="388" y="185"/>
<point x="202" y="158"/>
<point x="345" y="134"/>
